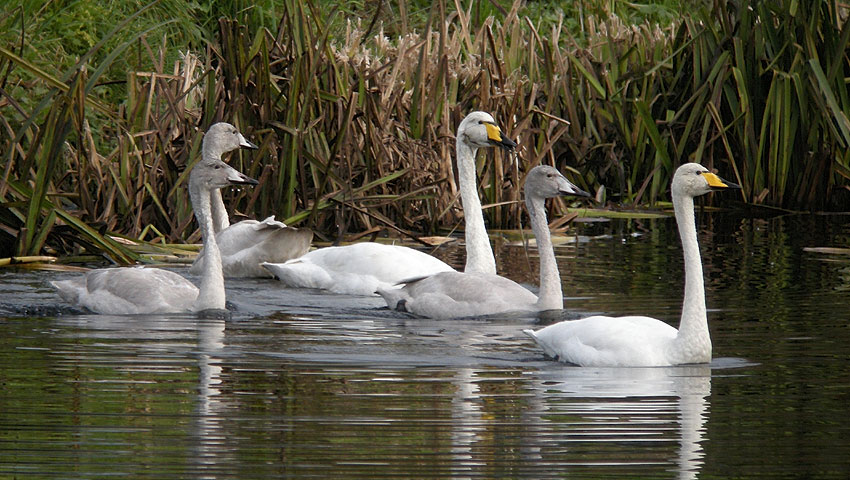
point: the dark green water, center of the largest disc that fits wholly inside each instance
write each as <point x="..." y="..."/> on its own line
<point x="303" y="384"/>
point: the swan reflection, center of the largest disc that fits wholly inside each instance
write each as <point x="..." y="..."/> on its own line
<point x="630" y="405"/>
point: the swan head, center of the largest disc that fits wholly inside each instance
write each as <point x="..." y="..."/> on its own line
<point x="479" y="130"/>
<point x="544" y="181"/>
<point x="693" y="180"/>
<point x="217" y="174"/>
<point x="221" y="138"/>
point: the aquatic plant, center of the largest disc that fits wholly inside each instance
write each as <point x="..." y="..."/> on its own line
<point x="355" y="128"/>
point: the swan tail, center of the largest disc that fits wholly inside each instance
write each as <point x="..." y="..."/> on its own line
<point x="531" y="333"/>
<point x="396" y="298"/>
<point x="547" y="349"/>
<point x="70" y="290"/>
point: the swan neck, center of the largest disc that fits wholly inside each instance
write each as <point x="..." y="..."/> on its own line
<point x="211" y="295"/>
<point x="479" y="253"/>
<point x="693" y="327"/>
<point x="551" y="295"/>
<point x="218" y="211"/>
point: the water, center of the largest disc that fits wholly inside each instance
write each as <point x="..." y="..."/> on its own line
<point x="304" y="384"/>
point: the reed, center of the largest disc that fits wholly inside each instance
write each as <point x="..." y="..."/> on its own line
<point x="355" y="129"/>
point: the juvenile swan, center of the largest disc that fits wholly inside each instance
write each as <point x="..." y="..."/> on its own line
<point x="637" y="341"/>
<point x="136" y="290"/>
<point x="362" y="268"/>
<point x="454" y="294"/>
<point x="246" y="244"/>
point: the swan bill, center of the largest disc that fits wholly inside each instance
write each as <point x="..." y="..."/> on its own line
<point x="236" y="177"/>
<point x="244" y="143"/>
<point x="574" y="191"/>
<point x="717" y="183"/>
<point x="494" y="134"/>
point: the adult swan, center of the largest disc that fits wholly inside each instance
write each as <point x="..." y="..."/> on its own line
<point x="137" y="290"/>
<point x="363" y="268"/>
<point x="243" y="246"/>
<point x="454" y="294"/>
<point x="643" y="341"/>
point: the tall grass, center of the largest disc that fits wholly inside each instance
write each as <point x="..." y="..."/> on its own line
<point x="356" y="130"/>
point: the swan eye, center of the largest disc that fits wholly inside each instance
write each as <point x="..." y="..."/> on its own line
<point x="217" y="167"/>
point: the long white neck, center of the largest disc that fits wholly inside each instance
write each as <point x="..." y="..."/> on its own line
<point x="218" y="211"/>
<point x="693" y="338"/>
<point x="479" y="253"/>
<point x="211" y="295"/>
<point x="551" y="296"/>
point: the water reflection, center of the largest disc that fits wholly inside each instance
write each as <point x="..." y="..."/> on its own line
<point x="305" y="384"/>
<point x="647" y="405"/>
<point x="467" y="422"/>
<point x="212" y="447"/>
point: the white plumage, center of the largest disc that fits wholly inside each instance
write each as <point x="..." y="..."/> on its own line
<point x="137" y="290"/>
<point x="637" y="341"/>
<point x="362" y="268"/>
<point x="454" y="294"/>
<point x="247" y="244"/>
<point x="357" y="269"/>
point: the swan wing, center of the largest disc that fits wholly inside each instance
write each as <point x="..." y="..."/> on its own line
<point x="455" y="294"/>
<point x="358" y="269"/>
<point x="607" y="341"/>
<point x="245" y="245"/>
<point x="132" y="290"/>
<point x="388" y="263"/>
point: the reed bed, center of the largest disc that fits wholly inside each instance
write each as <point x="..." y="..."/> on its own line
<point x="356" y="131"/>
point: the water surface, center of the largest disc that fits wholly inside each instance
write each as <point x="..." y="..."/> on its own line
<point x="299" y="383"/>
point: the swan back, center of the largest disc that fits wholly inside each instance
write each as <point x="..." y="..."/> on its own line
<point x="356" y="269"/>
<point x="247" y="244"/>
<point x="129" y="291"/>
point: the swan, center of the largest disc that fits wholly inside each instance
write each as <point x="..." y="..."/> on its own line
<point x="246" y="244"/>
<point x="363" y="268"/>
<point x="637" y="341"/>
<point x="138" y="290"/>
<point x="454" y="294"/>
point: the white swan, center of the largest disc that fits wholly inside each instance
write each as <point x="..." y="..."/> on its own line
<point x="454" y="294"/>
<point x="362" y="268"/>
<point x="637" y="341"/>
<point x="137" y="290"/>
<point x="246" y="244"/>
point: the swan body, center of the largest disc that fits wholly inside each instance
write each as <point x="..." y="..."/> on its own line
<point x="454" y="294"/>
<point x="247" y="244"/>
<point x="138" y="290"/>
<point x="637" y="341"/>
<point x="362" y="268"/>
<point x="357" y="269"/>
<point x="129" y="291"/>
